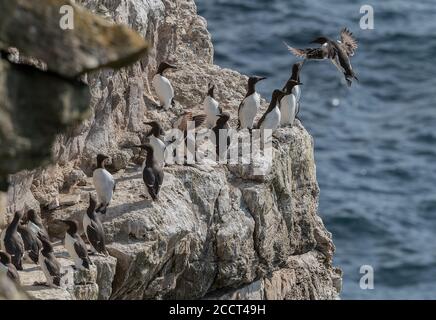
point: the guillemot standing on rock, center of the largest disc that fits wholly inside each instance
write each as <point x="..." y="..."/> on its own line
<point x="155" y="139"/>
<point x="94" y="229"/>
<point x="339" y="53"/>
<point x="7" y="267"/>
<point x="163" y="87"/>
<point x="152" y="175"/>
<point x="49" y="264"/>
<point x="32" y="245"/>
<point x="296" y="70"/>
<point x="75" y="246"/>
<point x="288" y="104"/>
<point x="249" y="106"/>
<point x="271" y="117"/>
<point x="12" y="243"/>
<point x="104" y="184"/>
<point x="211" y="107"/>
<point x="223" y="127"/>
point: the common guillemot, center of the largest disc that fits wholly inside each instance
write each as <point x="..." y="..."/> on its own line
<point x="152" y="175"/>
<point x="75" y="246"/>
<point x="339" y="53"/>
<point x="221" y="127"/>
<point x="248" y="108"/>
<point x="155" y="139"/>
<point x="12" y="243"/>
<point x="211" y="107"/>
<point x="288" y="104"/>
<point x="271" y="117"/>
<point x="7" y="267"/>
<point x="94" y="229"/>
<point x="163" y="87"/>
<point x="104" y="184"/>
<point x="49" y="264"/>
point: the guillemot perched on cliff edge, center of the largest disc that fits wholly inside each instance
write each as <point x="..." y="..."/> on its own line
<point x="163" y="87"/>
<point x="75" y="246"/>
<point x="288" y="104"/>
<point x="104" y="184"/>
<point x="339" y="53"/>
<point x="12" y="243"/>
<point x="93" y="228"/>
<point x="295" y="75"/>
<point x="155" y="139"/>
<point x="249" y="106"/>
<point x="49" y="264"/>
<point x="7" y="267"/>
<point x="211" y="107"/>
<point x="152" y="175"/>
<point x="271" y="117"/>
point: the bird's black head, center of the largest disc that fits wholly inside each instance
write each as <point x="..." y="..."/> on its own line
<point x="291" y="84"/>
<point x="255" y="79"/>
<point x="31" y="215"/>
<point x="17" y="217"/>
<point x="156" y="129"/>
<point x="101" y="160"/>
<point x="320" y="40"/>
<point x="5" y="258"/>
<point x="72" y="226"/>
<point x="163" y="66"/>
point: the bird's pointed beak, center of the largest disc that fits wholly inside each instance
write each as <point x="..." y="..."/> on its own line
<point x="262" y="78"/>
<point x="171" y="66"/>
<point x="299" y="83"/>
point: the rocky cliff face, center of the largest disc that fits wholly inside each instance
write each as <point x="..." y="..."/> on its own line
<point x="215" y="232"/>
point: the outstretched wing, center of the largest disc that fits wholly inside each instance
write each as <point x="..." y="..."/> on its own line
<point x="348" y="42"/>
<point x="320" y="53"/>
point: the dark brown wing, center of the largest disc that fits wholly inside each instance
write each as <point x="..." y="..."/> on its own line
<point x="96" y="237"/>
<point x="348" y="42"/>
<point x="199" y="120"/>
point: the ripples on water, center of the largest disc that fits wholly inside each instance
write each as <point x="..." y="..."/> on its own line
<point x="376" y="150"/>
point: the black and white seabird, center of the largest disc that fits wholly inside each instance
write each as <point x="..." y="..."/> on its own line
<point x="271" y="117"/>
<point x="49" y="264"/>
<point x="295" y="75"/>
<point x="94" y="229"/>
<point x="156" y="140"/>
<point x="288" y="104"/>
<point x="211" y="107"/>
<point x="34" y="223"/>
<point x="75" y="246"/>
<point x="248" y="108"/>
<point x="152" y="175"/>
<point x="339" y="53"/>
<point x="12" y="243"/>
<point x="163" y="87"/>
<point x="222" y="127"/>
<point x="7" y="267"/>
<point x="104" y="184"/>
<point x="32" y="245"/>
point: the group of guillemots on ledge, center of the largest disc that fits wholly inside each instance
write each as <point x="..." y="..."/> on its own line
<point x="26" y="236"/>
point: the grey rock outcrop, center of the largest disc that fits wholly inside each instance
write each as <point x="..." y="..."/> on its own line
<point x="215" y="233"/>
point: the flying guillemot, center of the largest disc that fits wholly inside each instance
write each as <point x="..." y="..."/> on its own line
<point x="338" y="52"/>
<point x="163" y="87"/>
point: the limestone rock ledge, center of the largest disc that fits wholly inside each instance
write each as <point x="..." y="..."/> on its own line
<point x="215" y="233"/>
